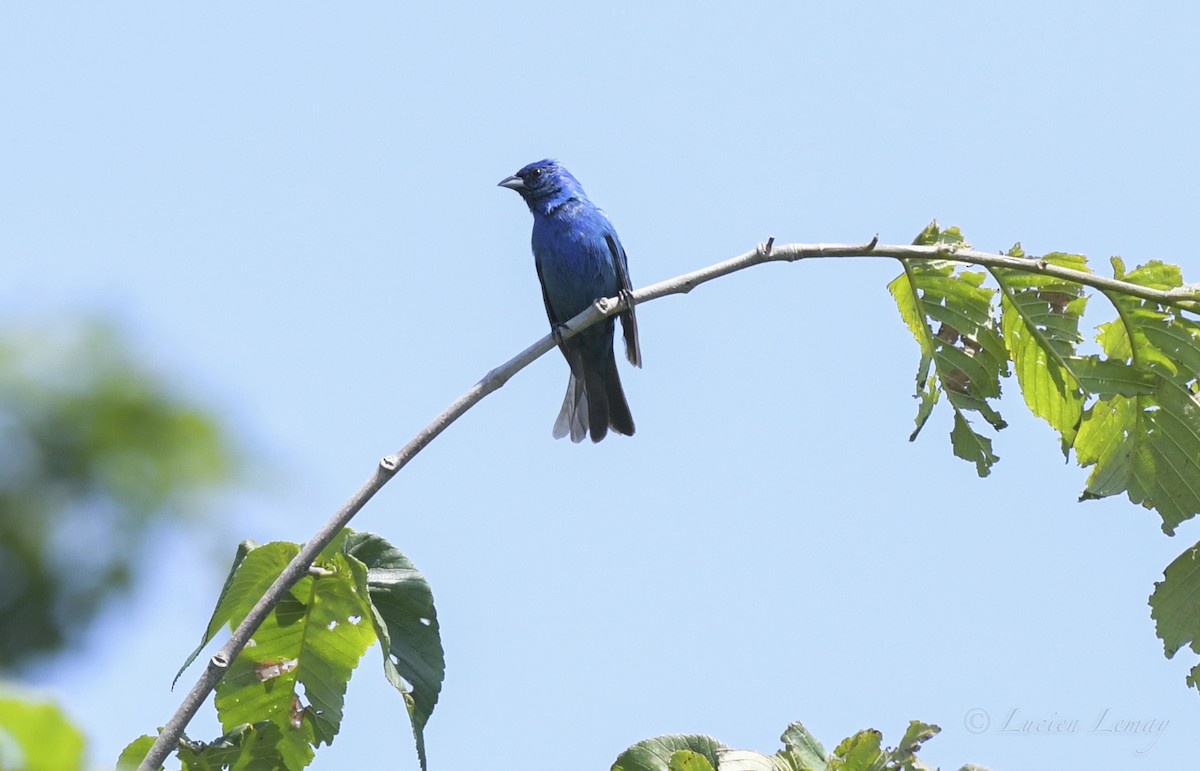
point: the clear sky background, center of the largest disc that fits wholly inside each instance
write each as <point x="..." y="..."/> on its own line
<point x="292" y="210"/>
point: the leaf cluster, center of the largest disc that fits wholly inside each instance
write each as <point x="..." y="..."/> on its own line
<point x="1129" y="411"/>
<point x="283" y="696"/>
<point x="864" y="751"/>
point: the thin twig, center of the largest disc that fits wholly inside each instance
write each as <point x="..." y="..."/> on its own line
<point x="1185" y="297"/>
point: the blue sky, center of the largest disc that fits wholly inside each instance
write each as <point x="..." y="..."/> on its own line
<point x="292" y="210"/>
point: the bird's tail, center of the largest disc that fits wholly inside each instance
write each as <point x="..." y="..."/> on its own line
<point x="594" y="402"/>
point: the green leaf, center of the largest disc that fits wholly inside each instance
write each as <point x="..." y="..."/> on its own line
<point x="1109" y="377"/>
<point x="655" y="754"/>
<point x="135" y="752"/>
<point x="406" y="624"/>
<point x="864" y="751"/>
<point x="38" y="734"/>
<point x="801" y="749"/>
<point x="917" y="734"/>
<point x="245" y="748"/>
<point x="801" y="752"/>
<point x="1175" y="603"/>
<point x="1145" y="439"/>
<point x="972" y="446"/>
<point x="313" y="638"/>
<point x="1040" y="322"/>
<point x="222" y="611"/>
<point x="861" y="752"/>
<point x="686" y="760"/>
<point x="949" y="312"/>
<point x="934" y="235"/>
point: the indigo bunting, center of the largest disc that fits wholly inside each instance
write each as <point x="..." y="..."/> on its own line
<point x="580" y="259"/>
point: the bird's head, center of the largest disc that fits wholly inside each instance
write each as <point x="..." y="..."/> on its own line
<point x="543" y="182"/>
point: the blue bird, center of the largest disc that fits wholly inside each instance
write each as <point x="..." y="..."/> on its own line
<point x="580" y="259"/>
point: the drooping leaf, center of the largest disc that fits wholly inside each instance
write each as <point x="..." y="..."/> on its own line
<point x="1040" y="321"/>
<point x="949" y="312"/>
<point x="406" y="624"/>
<point x="1146" y="442"/>
<point x="1175" y="603"/>
<point x="222" y="611"/>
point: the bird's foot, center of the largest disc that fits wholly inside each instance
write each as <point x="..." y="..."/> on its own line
<point x="626" y="296"/>
<point x="559" y="333"/>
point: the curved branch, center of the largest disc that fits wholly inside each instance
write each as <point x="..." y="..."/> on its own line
<point x="1184" y="297"/>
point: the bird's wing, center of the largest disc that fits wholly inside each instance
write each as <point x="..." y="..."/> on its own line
<point x="554" y="321"/>
<point x="633" y="350"/>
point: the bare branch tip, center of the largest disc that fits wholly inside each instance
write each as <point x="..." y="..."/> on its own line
<point x="764" y="250"/>
<point x="872" y="243"/>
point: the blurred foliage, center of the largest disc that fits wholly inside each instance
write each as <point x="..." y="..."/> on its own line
<point x="94" y="449"/>
<point x="36" y="736"/>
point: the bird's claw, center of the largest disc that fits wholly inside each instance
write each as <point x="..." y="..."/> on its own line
<point x="558" y="332"/>
<point x="626" y="297"/>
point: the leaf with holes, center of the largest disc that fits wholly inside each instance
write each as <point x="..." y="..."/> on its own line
<point x="406" y="624"/>
<point x="312" y="640"/>
<point x="963" y="355"/>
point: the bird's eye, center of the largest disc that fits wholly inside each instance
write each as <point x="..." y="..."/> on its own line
<point x="536" y="173"/>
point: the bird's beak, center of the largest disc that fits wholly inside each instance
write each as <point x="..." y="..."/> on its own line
<point x="513" y="183"/>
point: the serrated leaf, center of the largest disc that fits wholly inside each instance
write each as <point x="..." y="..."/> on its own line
<point x="1146" y="440"/>
<point x="406" y="624"/>
<point x="1175" y="603"/>
<point x="1040" y="322"/>
<point x="655" y="754"/>
<point x="313" y="638"/>
<point x="949" y="312"/>
<point x="221" y="611"/>
<point x="1108" y="377"/>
